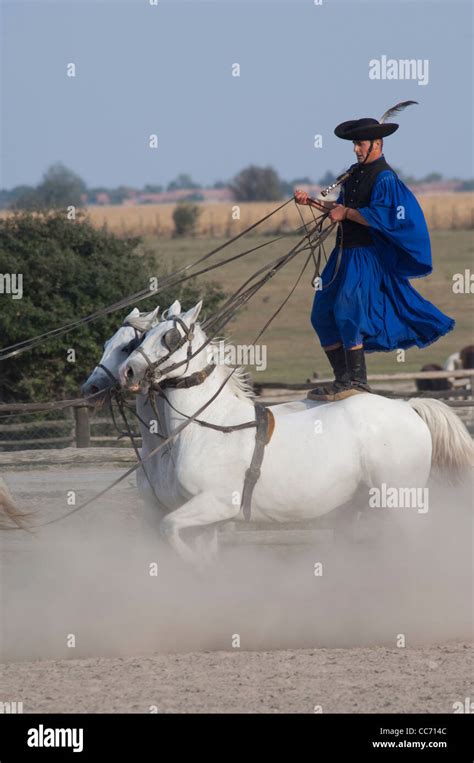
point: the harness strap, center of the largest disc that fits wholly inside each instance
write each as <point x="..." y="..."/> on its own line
<point x="219" y="427"/>
<point x="109" y="373"/>
<point x="134" y="445"/>
<point x="143" y="353"/>
<point x="184" y="382"/>
<point x="136" y="339"/>
<point x="265" y="426"/>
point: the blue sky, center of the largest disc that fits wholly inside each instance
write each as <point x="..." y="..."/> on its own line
<point x="143" y="69"/>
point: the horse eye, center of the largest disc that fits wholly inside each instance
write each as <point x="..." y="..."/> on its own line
<point x="171" y="339"/>
<point x="131" y="346"/>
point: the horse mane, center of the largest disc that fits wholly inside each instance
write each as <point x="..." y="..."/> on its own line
<point x="240" y="383"/>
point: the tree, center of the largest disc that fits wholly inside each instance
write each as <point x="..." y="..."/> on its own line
<point x="8" y="198"/>
<point x="408" y="179"/>
<point x="60" y="188"/>
<point x="327" y="179"/>
<point x="185" y="217"/>
<point x="150" y="188"/>
<point x="117" y="195"/>
<point x="432" y="177"/>
<point x="182" y="182"/>
<point x="257" y="184"/>
<point x="70" y="269"/>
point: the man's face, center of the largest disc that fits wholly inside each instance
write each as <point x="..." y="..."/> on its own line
<point x="360" y="149"/>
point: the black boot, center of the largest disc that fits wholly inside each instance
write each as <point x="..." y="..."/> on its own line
<point x="357" y="370"/>
<point x="342" y="380"/>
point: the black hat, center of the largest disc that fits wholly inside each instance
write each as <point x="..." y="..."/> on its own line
<point x="371" y="129"/>
<point x="364" y="129"/>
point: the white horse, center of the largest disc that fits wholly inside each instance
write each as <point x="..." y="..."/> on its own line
<point x="105" y="375"/>
<point x="319" y="457"/>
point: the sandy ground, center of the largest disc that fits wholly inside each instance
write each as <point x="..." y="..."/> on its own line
<point x="168" y="643"/>
<point x="427" y="680"/>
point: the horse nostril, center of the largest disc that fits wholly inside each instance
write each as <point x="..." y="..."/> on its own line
<point x="129" y="373"/>
<point x="93" y="389"/>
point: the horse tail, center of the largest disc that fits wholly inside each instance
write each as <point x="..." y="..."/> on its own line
<point x="453" y="449"/>
<point x="9" y="511"/>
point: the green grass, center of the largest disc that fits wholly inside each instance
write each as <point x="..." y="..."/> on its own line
<point x="293" y="350"/>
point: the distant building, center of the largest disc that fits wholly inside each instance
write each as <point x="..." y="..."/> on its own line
<point x="438" y="186"/>
<point x="226" y="195"/>
<point x="102" y="198"/>
<point x="172" y="197"/>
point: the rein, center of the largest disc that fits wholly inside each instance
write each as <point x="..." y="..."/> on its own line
<point x="168" y="282"/>
<point x="225" y="313"/>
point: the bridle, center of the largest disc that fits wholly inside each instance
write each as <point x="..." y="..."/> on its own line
<point x="130" y="347"/>
<point x="173" y="341"/>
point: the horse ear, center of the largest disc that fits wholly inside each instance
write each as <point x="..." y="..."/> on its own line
<point x="174" y="309"/>
<point x="144" y="322"/>
<point x="134" y="314"/>
<point x="153" y="316"/>
<point x="191" y="316"/>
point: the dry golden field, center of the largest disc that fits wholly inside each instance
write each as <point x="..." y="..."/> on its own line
<point x="442" y="211"/>
<point x="293" y="350"/>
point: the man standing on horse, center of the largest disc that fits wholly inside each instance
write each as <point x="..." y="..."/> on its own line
<point x="367" y="303"/>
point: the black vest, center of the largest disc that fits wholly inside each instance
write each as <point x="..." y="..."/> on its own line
<point x="357" y="191"/>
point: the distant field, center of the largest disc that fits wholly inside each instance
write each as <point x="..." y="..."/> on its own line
<point x="293" y="352"/>
<point x="442" y="211"/>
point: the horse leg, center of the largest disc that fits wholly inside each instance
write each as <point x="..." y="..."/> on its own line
<point x="204" y="509"/>
<point x="345" y="518"/>
<point x="206" y="544"/>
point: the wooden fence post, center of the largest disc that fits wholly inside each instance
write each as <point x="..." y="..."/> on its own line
<point x="83" y="427"/>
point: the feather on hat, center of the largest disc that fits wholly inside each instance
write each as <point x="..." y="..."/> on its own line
<point x="368" y="128"/>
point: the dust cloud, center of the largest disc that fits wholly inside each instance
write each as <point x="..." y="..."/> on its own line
<point x="85" y="586"/>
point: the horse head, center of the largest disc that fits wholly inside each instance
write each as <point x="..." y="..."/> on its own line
<point x="119" y="346"/>
<point x="166" y="351"/>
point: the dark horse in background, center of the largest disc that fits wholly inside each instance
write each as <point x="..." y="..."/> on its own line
<point x="459" y="360"/>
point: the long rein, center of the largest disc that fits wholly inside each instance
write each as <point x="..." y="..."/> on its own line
<point x="220" y="319"/>
<point x="189" y="420"/>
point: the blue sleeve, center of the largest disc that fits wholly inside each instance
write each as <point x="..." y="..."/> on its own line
<point x="398" y="226"/>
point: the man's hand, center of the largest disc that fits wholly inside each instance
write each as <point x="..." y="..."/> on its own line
<point x="301" y="197"/>
<point x="338" y="213"/>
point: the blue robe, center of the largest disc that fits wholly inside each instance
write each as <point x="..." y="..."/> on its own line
<point x="371" y="300"/>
